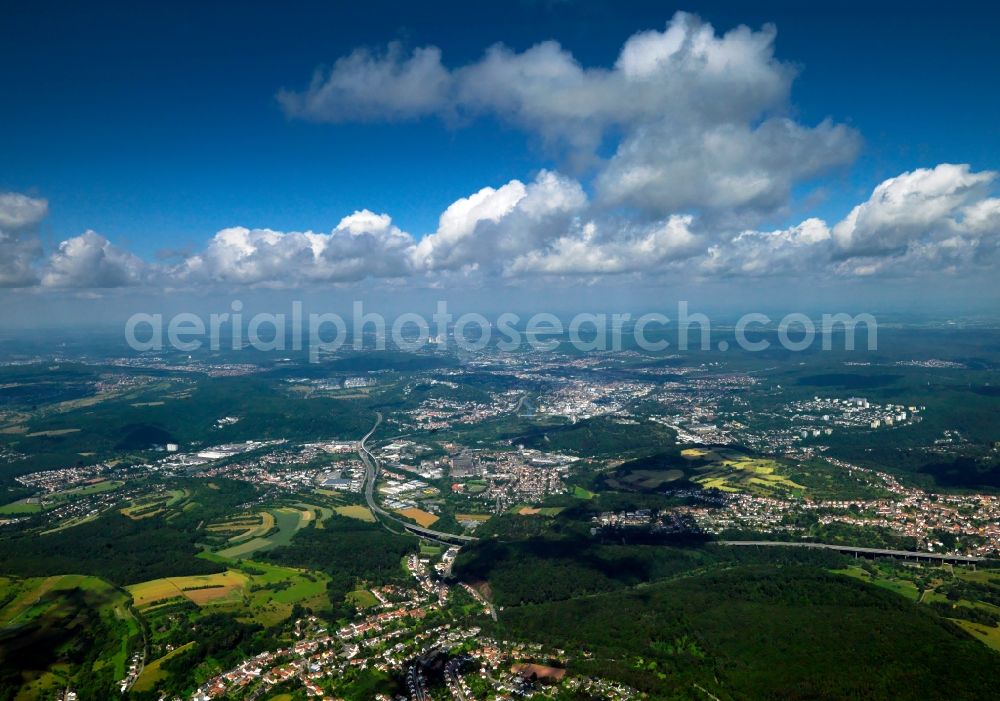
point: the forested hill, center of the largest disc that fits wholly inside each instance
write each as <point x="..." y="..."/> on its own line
<point x="750" y="633"/>
<point x="740" y="625"/>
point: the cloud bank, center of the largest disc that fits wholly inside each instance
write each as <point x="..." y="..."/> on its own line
<point x="940" y="220"/>
<point x="699" y="120"/>
<point x="671" y="159"/>
<point x="362" y="245"/>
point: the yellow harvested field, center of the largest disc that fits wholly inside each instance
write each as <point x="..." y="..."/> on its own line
<point x="200" y="589"/>
<point x="146" y="593"/>
<point x="356" y="511"/>
<point x="772" y="480"/>
<point x="209" y="595"/>
<point x="83" y="402"/>
<point x="266" y="524"/>
<point x="54" y="432"/>
<point x="245" y="527"/>
<point x="694" y="453"/>
<point x="758" y="466"/>
<point x="472" y="517"/>
<point x="422" y="517"/>
<point x="716" y="483"/>
<point x="529" y="511"/>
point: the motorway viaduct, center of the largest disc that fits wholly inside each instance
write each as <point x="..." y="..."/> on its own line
<point x="371" y="472"/>
<point x="862" y="552"/>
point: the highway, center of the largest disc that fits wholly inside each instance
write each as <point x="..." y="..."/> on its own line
<point x="371" y="473"/>
<point x="873" y="552"/>
<point x="371" y="470"/>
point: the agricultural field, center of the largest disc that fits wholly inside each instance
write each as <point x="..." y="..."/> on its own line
<point x="251" y="590"/>
<point x="886" y="580"/>
<point x="53" y="432"/>
<point x="989" y="635"/>
<point x="30" y="505"/>
<point x="155" y="504"/>
<point x="969" y="598"/>
<point x="362" y="513"/>
<point x="199" y="589"/>
<point x="538" y="510"/>
<point x="318" y="513"/>
<point x="694" y="452"/>
<point x="244" y="527"/>
<point x="287" y="521"/>
<point x="728" y="471"/>
<point x="422" y="518"/>
<point x="990" y="578"/>
<point x="482" y="518"/>
<point x="95" y="488"/>
<point x="273" y="591"/>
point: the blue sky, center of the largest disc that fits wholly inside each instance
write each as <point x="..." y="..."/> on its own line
<point x="157" y="126"/>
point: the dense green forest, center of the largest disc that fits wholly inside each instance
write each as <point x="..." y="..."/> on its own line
<point x="599" y="437"/>
<point x="760" y="632"/>
<point x="123" y="550"/>
<point x="113" y="546"/>
<point x="349" y="551"/>
<point x="547" y="569"/>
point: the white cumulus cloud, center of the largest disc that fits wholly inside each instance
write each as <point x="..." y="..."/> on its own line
<point x="791" y="252"/>
<point x="493" y="226"/>
<point x="922" y="222"/>
<point x="596" y="249"/>
<point x="19" y="244"/>
<point x="18" y="211"/>
<point x="362" y="245"/>
<point x="923" y="205"/>
<point x="91" y="261"/>
<point x="698" y="119"/>
<point x="370" y="86"/>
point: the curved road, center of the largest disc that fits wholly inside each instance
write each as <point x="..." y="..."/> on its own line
<point x="371" y="470"/>
<point x="371" y="467"/>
